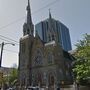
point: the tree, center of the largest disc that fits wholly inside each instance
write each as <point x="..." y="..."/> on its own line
<point x="10" y="79"/>
<point x="82" y="55"/>
<point x="13" y="76"/>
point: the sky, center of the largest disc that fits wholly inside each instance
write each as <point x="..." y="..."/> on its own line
<point x="75" y="14"/>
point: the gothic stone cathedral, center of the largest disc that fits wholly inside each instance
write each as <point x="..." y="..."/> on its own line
<point x="42" y="64"/>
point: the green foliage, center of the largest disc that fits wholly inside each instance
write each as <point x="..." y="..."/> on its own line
<point x="13" y="76"/>
<point x="82" y="65"/>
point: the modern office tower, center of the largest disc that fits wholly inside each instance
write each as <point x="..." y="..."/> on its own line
<point x="51" y="29"/>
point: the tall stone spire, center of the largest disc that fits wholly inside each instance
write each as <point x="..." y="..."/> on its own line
<point x="51" y="29"/>
<point x="50" y="16"/>
<point x="28" y="26"/>
<point x="29" y="18"/>
<point x="50" y="21"/>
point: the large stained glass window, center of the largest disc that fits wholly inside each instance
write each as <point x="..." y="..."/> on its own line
<point x="38" y="58"/>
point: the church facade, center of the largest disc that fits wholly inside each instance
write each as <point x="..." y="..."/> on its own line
<point x="42" y="64"/>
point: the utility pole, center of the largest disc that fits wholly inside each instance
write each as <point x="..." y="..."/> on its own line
<point x="2" y="44"/>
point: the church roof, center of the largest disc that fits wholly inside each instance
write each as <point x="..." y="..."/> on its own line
<point x="68" y="55"/>
<point x="50" y="43"/>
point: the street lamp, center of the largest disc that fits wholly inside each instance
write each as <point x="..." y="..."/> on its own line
<point x="2" y="45"/>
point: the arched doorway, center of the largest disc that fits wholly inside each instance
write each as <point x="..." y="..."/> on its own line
<point x="39" y="79"/>
<point x="51" y="81"/>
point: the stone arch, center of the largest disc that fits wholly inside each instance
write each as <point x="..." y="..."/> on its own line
<point x="38" y="59"/>
<point x="38" y="78"/>
<point x="51" y="79"/>
<point x="50" y="57"/>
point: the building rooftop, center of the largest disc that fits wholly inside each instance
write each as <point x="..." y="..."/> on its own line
<point x="50" y="43"/>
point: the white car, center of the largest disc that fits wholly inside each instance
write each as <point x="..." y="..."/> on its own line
<point x="33" y="88"/>
<point x="10" y="89"/>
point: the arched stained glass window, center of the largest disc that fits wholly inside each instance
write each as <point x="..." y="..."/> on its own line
<point x="38" y="58"/>
<point x="50" y="58"/>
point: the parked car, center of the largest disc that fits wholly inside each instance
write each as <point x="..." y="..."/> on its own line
<point x="33" y="88"/>
<point x="10" y="89"/>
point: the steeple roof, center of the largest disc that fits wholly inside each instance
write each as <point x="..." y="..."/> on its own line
<point x="50" y="16"/>
<point x="50" y="23"/>
<point x="28" y="27"/>
<point x="29" y="18"/>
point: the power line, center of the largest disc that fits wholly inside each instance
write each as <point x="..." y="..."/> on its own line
<point x="11" y="51"/>
<point x="32" y="13"/>
<point x="5" y="40"/>
<point x="50" y="4"/>
<point x="12" y="23"/>
<point x="21" y="19"/>
<point x="9" y="39"/>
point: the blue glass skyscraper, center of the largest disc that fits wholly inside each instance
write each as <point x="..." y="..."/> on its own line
<point x="51" y="29"/>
